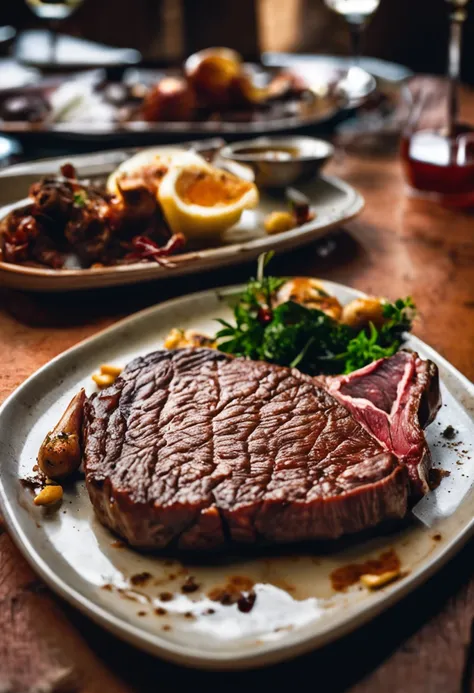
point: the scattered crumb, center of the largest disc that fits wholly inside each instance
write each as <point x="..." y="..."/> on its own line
<point x="166" y="596"/>
<point x="159" y="611"/>
<point x="141" y="578"/>
<point x="108" y="587"/>
<point x="246" y="603"/>
<point x="33" y="481"/>
<point x="238" y="590"/>
<point x="166" y="627"/>
<point x="437" y="537"/>
<point x="449" y="432"/>
<point x="117" y="544"/>
<point x="189" y="614"/>
<point x="209" y="612"/>
<point x="142" y="613"/>
<point x="436" y="476"/>
<point x="190" y="585"/>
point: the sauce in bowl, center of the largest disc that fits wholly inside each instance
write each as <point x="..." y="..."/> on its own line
<point x="278" y="162"/>
<point x="269" y="153"/>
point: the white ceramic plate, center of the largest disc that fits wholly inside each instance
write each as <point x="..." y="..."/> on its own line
<point x="333" y="201"/>
<point x="296" y="609"/>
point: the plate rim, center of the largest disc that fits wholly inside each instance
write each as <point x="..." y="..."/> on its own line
<point x="187" y="655"/>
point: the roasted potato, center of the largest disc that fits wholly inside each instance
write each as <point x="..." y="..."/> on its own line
<point x="361" y="311"/>
<point x="212" y="74"/>
<point x="60" y="453"/>
<point x="244" y="92"/>
<point x="310" y="293"/>
<point x="171" y="99"/>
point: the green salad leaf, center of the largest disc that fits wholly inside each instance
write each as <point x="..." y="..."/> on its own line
<point x="291" y="334"/>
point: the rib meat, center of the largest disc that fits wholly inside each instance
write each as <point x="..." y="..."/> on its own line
<point x="394" y="399"/>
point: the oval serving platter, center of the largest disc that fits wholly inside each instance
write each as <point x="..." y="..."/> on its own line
<point x="333" y="201"/>
<point x="143" y="598"/>
<point x="335" y="100"/>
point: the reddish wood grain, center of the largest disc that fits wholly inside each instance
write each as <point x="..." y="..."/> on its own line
<point x="398" y="246"/>
<point x="39" y="651"/>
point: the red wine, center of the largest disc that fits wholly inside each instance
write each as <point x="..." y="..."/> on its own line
<point x="435" y="163"/>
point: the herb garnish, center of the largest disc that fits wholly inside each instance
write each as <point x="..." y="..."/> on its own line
<point x="291" y="334"/>
<point x="80" y="198"/>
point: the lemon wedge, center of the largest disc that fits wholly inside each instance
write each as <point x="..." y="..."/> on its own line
<point x="199" y="200"/>
<point x="150" y="165"/>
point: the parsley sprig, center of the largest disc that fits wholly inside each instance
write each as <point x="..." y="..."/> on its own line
<point x="291" y="334"/>
<point x="80" y="198"/>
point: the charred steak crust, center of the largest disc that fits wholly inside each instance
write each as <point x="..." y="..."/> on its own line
<point x="197" y="449"/>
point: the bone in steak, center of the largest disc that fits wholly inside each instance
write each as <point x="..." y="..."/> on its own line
<point x="394" y="399"/>
<point x="196" y="449"/>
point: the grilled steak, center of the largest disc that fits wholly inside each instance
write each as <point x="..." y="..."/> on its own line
<point x="196" y="449"/>
<point x="394" y="399"/>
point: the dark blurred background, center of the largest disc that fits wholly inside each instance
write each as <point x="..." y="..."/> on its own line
<point x="411" y="32"/>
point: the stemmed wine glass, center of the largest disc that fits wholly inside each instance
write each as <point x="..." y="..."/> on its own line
<point x="356" y="13"/>
<point x="356" y="83"/>
<point x="53" y="11"/>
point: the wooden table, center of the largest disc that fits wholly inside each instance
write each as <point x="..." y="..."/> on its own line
<point x="398" y="246"/>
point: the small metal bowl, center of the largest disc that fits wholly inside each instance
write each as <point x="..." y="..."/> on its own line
<point x="278" y="162"/>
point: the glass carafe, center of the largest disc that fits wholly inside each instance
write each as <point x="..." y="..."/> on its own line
<point x="437" y="150"/>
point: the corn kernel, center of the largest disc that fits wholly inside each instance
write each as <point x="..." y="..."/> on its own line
<point x="108" y="369"/>
<point x="174" y="339"/>
<point x="374" y="582"/>
<point x="277" y="222"/>
<point x="49" y="495"/>
<point x="102" y="380"/>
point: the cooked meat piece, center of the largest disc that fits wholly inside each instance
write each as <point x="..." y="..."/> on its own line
<point x="394" y="399"/>
<point x="23" y="240"/>
<point x="139" y="201"/>
<point x="88" y="229"/>
<point x="198" y="449"/>
<point x="67" y="215"/>
<point x="138" y="213"/>
<point x="53" y="198"/>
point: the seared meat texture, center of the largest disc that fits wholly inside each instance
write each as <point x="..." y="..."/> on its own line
<point x="197" y="449"/>
<point x="67" y="215"/>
